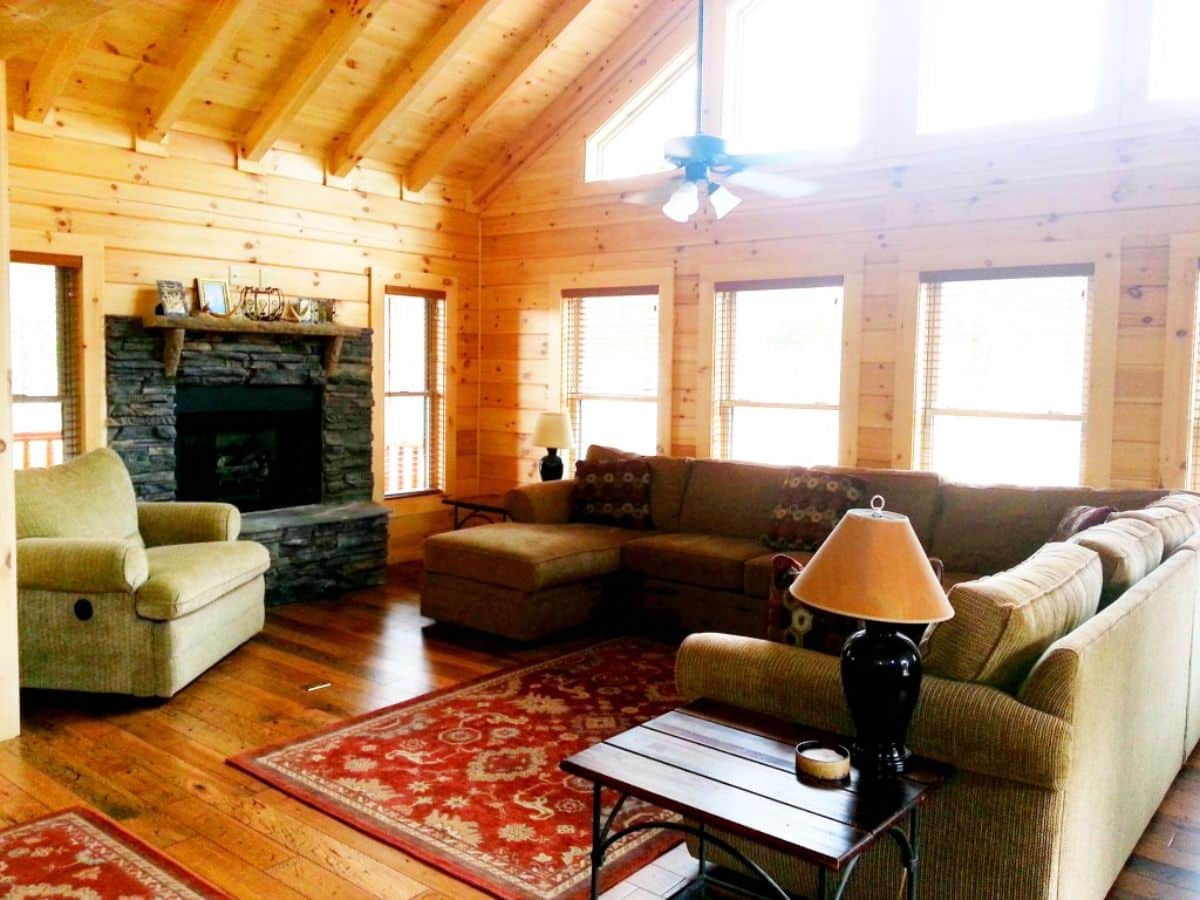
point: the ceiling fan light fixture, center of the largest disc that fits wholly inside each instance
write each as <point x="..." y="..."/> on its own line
<point x="723" y="200"/>
<point x="684" y="203"/>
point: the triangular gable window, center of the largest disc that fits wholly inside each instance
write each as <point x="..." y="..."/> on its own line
<point x="631" y="141"/>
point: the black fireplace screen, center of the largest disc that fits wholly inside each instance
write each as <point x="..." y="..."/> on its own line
<point x="254" y="447"/>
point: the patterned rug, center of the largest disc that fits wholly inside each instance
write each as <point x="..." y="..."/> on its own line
<point x="467" y="779"/>
<point x="79" y="853"/>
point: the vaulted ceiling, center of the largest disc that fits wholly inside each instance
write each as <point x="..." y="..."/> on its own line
<point x="437" y="88"/>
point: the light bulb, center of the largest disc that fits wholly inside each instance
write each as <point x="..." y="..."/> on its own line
<point x="684" y="203"/>
<point x="723" y="200"/>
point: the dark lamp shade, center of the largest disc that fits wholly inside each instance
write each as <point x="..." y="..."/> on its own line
<point x="873" y="567"/>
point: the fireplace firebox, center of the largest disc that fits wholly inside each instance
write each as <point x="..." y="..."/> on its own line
<point x="257" y="447"/>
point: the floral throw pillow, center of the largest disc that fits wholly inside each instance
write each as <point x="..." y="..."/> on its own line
<point x="809" y="505"/>
<point x="791" y="622"/>
<point x="613" y="492"/>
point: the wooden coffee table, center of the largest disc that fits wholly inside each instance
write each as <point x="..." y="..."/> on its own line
<point x="732" y="770"/>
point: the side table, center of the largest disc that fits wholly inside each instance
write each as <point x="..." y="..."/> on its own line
<point x="732" y="770"/>
<point x="482" y="506"/>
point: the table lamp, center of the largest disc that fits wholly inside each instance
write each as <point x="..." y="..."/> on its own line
<point x="552" y="431"/>
<point x="872" y="567"/>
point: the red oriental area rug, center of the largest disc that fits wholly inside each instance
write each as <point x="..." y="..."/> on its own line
<point x="467" y="779"/>
<point x="79" y="853"/>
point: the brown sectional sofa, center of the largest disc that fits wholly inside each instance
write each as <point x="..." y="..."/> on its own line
<point x="705" y="568"/>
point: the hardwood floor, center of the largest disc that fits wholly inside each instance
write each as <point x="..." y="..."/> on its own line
<point x="159" y="768"/>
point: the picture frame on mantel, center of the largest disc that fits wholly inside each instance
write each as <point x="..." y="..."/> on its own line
<point x="172" y="300"/>
<point x="212" y="297"/>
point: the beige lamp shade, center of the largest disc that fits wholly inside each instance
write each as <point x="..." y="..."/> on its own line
<point x="553" y="429"/>
<point x="873" y="567"/>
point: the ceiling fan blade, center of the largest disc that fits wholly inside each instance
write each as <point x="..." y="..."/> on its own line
<point x="655" y="196"/>
<point x="783" y="186"/>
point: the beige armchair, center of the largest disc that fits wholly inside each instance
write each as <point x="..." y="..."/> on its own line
<point x="124" y="597"/>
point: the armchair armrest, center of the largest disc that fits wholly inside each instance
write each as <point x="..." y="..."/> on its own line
<point x="971" y="726"/>
<point x="164" y="524"/>
<point x="547" y="503"/>
<point x="86" y="565"/>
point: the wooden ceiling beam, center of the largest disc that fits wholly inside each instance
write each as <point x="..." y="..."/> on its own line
<point x="205" y="45"/>
<point x="347" y="20"/>
<point x="433" y="158"/>
<point x="409" y="81"/>
<point x="53" y="70"/>
<point x="29" y="23"/>
<point x="647" y="31"/>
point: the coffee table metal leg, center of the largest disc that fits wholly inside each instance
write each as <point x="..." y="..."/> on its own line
<point x="597" y="841"/>
<point x="703" y="849"/>
<point x="907" y="842"/>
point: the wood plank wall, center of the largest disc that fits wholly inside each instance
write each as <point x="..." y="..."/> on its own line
<point x="194" y="214"/>
<point x="1138" y="189"/>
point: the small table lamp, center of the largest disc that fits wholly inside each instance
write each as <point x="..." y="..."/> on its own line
<point x="552" y="431"/>
<point x="872" y="567"/>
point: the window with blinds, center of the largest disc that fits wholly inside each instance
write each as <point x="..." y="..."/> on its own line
<point x="414" y="414"/>
<point x="44" y="380"/>
<point x="610" y="361"/>
<point x="1194" y="449"/>
<point x="1174" y="62"/>
<point x="777" y="371"/>
<point x="1002" y="378"/>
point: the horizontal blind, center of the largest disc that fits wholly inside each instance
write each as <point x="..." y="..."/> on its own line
<point x="1003" y="375"/>
<point x="778" y="350"/>
<point x="414" y="391"/>
<point x="611" y="368"/>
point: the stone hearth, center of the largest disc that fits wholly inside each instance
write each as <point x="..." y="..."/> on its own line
<point x="337" y="545"/>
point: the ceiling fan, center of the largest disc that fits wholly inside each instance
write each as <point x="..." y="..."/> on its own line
<point x="707" y="168"/>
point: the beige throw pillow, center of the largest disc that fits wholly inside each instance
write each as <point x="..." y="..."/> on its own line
<point x="1003" y="623"/>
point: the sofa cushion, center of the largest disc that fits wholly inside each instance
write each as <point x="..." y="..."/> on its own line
<point x="90" y="496"/>
<point x="185" y="577"/>
<point x="527" y="557"/>
<point x="1188" y="503"/>
<point x="1002" y="623"/>
<point x="612" y="492"/>
<point x="1174" y="525"/>
<point x="1129" y="550"/>
<point x="730" y="498"/>
<point x="810" y="504"/>
<point x="917" y="495"/>
<point x="708" y="560"/>
<point x="991" y="528"/>
<point x="668" y="480"/>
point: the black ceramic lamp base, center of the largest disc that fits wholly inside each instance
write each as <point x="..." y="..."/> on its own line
<point x="881" y="675"/>
<point x="551" y="468"/>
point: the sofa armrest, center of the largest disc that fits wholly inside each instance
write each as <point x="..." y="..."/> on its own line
<point x="971" y="726"/>
<point x="84" y="565"/>
<point x="545" y="503"/>
<point x="163" y="524"/>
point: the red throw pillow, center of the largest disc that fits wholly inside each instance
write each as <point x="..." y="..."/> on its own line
<point x="613" y="492"/>
<point x="1080" y="518"/>
<point x="791" y="622"/>
<point x="810" y="504"/>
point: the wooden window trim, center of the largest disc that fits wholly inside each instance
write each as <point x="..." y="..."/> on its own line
<point x="1103" y="256"/>
<point x="713" y="279"/>
<point x="1179" y="364"/>
<point x="660" y="281"/>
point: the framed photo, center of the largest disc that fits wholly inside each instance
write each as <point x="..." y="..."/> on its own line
<point x="172" y="301"/>
<point x="212" y="296"/>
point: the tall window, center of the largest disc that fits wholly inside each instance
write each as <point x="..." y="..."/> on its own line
<point x="1174" y="62"/>
<point x="414" y="415"/>
<point x="1002" y="378"/>
<point x="611" y="367"/>
<point x="988" y="63"/>
<point x="795" y="74"/>
<point x="632" y="141"/>
<point x="778" y="364"/>
<point x="1194" y="450"/>
<point x="45" y="400"/>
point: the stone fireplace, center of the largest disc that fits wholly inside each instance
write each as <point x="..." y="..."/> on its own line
<point x="252" y="419"/>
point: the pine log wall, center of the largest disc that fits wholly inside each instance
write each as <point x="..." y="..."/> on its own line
<point x="1135" y="189"/>
<point x="195" y="214"/>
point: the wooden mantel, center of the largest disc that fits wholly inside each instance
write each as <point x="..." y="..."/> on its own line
<point x="176" y="326"/>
